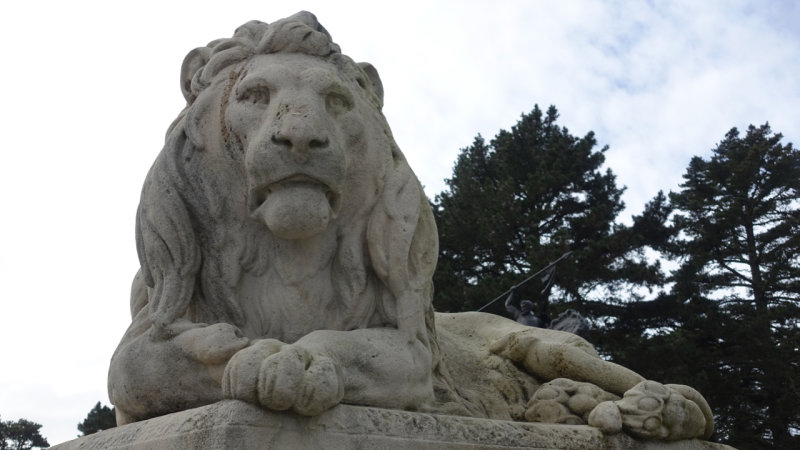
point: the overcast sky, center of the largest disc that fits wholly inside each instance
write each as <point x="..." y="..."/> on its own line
<point x="89" y="89"/>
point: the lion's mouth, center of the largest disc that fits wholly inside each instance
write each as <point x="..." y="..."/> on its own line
<point x="298" y="180"/>
<point x="296" y="206"/>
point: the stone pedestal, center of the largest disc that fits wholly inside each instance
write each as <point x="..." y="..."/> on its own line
<point x="233" y="424"/>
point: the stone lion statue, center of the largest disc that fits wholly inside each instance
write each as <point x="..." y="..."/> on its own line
<point x="287" y="251"/>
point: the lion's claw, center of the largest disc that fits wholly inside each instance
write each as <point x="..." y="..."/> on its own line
<point x="283" y="377"/>
<point x="240" y="379"/>
<point x="280" y="378"/>
<point x="322" y="387"/>
<point x="565" y="401"/>
<point x="651" y="410"/>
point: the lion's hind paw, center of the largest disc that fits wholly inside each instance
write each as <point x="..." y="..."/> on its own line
<point x="565" y="401"/>
<point x="651" y="410"/>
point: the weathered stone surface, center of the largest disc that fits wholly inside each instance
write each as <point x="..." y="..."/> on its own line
<point x="287" y="252"/>
<point x="286" y="247"/>
<point x="233" y="424"/>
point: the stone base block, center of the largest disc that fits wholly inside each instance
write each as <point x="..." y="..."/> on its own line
<point x="232" y="424"/>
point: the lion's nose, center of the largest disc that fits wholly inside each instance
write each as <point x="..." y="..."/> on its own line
<point x="299" y="134"/>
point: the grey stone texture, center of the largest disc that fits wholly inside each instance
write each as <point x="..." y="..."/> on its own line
<point x="232" y="424"/>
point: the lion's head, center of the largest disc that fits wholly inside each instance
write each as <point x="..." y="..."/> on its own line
<point x="281" y="203"/>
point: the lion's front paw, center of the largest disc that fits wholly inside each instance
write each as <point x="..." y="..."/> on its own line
<point x="565" y="401"/>
<point x="283" y="377"/>
<point x="296" y="379"/>
<point x="651" y="410"/>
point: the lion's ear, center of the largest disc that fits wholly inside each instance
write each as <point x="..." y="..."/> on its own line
<point x="374" y="79"/>
<point x="193" y="62"/>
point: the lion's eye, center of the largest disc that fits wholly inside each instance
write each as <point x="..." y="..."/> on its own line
<point x="337" y="103"/>
<point x="255" y="95"/>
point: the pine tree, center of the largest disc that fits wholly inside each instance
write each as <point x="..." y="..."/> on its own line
<point x="729" y="325"/>
<point x="21" y="435"/>
<point x="523" y="200"/>
<point x="739" y="219"/>
<point x="100" y="418"/>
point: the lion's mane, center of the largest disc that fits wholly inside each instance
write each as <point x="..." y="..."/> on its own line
<point x="194" y="237"/>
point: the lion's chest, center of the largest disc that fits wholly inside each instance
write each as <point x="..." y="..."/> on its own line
<point x="287" y="311"/>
